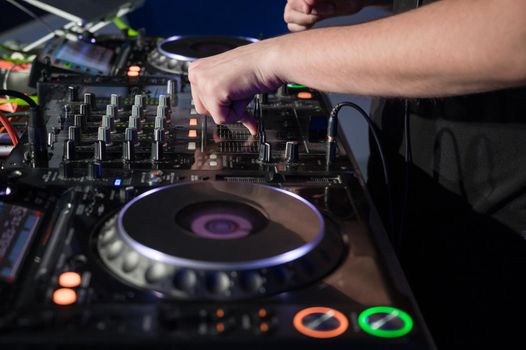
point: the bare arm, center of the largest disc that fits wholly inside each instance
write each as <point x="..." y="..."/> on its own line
<point x="446" y="48"/>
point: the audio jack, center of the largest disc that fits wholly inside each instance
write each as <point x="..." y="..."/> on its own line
<point x="331" y="140"/>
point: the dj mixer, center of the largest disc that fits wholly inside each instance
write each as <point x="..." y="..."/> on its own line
<point x="131" y="220"/>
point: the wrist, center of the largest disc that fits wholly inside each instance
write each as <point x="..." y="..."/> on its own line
<point x="273" y="62"/>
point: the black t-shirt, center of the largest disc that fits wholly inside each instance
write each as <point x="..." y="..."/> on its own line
<point x="463" y="243"/>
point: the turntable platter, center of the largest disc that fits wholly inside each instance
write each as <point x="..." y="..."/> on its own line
<point x="173" y="54"/>
<point x="219" y="229"/>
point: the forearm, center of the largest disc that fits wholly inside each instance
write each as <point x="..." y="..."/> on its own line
<point x="446" y="48"/>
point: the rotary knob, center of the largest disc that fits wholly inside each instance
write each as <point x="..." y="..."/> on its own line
<point x="291" y="152"/>
<point x="134" y="123"/>
<point x="108" y="122"/>
<point x="265" y="152"/>
<point x="89" y="99"/>
<point x="139" y="100"/>
<point x="111" y="110"/>
<point x="116" y="100"/>
<point x="136" y="111"/>
<point x="104" y="135"/>
<point x="74" y="133"/>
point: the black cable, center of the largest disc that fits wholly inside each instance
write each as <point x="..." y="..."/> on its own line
<point x="31" y="14"/>
<point x="374" y="131"/>
<point x="408" y="162"/>
<point x="13" y="93"/>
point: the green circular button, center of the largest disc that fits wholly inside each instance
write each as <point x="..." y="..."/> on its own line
<point x="296" y="86"/>
<point x="385" y="322"/>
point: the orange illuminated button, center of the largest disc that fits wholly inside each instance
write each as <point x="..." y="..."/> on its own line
<point x="192" y="133"/>
<point x="320" y="322"/>
<point x="64" y="296"/>
<point x="264" y="327"/>
<point x="220" y="327"/>
<point x="262" y="313"/>
<point x="192" y="121"/>
<point x="134" y="69"/>
<point x="304" y="95"/>
<point x="69" y="279"/>
<point x="133" y="74"/>
<point x="220" y="313"/>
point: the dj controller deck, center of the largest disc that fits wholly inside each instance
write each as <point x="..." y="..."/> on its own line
<point x="140" y="222"/>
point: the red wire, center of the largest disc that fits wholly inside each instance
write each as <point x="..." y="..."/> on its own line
<point x="9" y="128"/>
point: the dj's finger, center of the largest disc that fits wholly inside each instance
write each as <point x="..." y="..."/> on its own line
<point x="250" y="123"/>
<point x="298" y="5"/>
<point x="293" y="16"/>
<point x="199" y="105"/>
<point x="296" y="27"/>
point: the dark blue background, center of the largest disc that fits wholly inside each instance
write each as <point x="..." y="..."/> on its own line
<point x="252" y="18"/>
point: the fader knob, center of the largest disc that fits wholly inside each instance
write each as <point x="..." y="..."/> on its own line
<point x="171" y="88"/>
<point x="79" y="121"/>
<point x="115" y="100"/>
<point x="85" y="109"/>
<point x="73" y="94"/>
<point x="158" y="135"/>
<point x="139" y="100"/>
<point x="108" y="122"/>
<point x="291" y="151"/>
<point x="104" y="135"/>
<point x="135" y="123"/>
<point x="111" y="110"/>
<point x="130" y="134"/>
<point x="165" y="101"/>
<point x="100" y="150"/>
<point x="136" y="111"/>
<point x="69" y="150"/>
<point x="74" y="133"/>
<point x="161" y="112"/>
<point x="89" y="99"/>
<point x="159" y="122"/>
<point x="265" y="152"/>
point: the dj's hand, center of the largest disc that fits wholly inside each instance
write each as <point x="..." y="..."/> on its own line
<point x="302" y="14"/>
<point x="223" y="85"/>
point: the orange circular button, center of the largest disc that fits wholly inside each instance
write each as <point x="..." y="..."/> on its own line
<point x="262" y="313"/>
<point x="320" y="322"/>
<point x="264" y="327"/>
<point x="64" y="296"/>
<point x="69" y="279"/>
<point x="220" y="327"/>
<point x="304" y="95"/>
<point x="134" y="69"/>
<point x="133" y="74"/>
<point x="220" y="313"/>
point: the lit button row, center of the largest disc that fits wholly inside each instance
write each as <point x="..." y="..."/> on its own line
<point x="66" y="295"/>
<point x="134" y="71"/>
